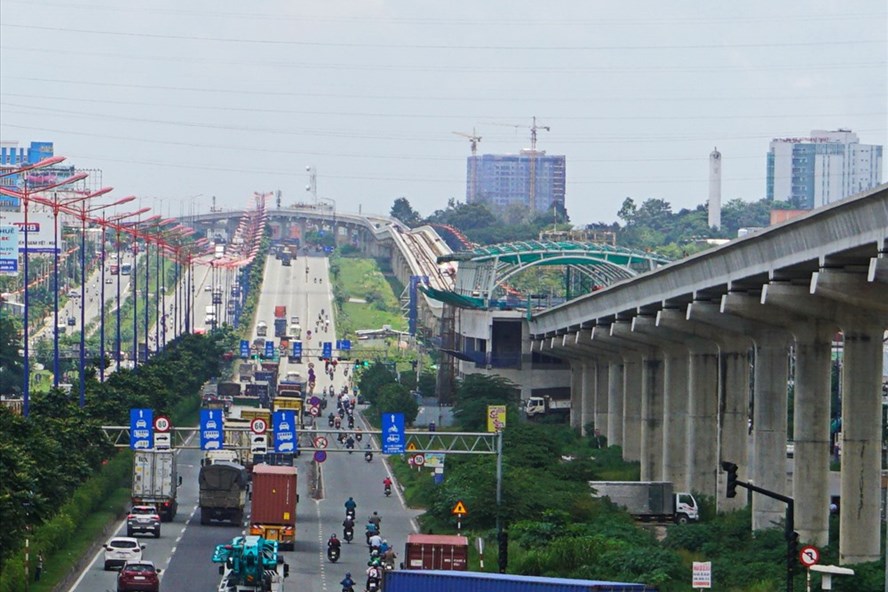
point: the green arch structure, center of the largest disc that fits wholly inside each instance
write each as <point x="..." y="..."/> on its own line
<point x="483" y="271"/>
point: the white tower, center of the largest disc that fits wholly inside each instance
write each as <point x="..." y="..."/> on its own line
<point x="715" y="188"/>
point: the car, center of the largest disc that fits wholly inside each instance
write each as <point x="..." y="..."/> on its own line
<point x="73" y="293"/>
<point x="208" y="288"/>
<point x="143" y="519"/>
<point x="119" y="550"/>
<point x="139" y="576"/>
<point x="107" y="280"/>
<point x="72" y="321"/>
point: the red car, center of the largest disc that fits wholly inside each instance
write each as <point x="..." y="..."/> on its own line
<point x="138" y="576"/>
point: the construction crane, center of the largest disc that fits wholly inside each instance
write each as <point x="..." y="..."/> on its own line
<point x="534" y="128"/>
<point x="474" y="140"/>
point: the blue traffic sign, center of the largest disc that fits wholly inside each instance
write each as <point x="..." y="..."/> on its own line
<point x="141" y="429"/>
<point x="244" y="349"/>
<point x="346" y="345"/>
<point x="320" y="456"/>
<point x="284" y="431"/>
<point x="393" y="438"/>
<point x="297" y="349"/>
<point x="269" y="349"/>
<point x="212" y="429"/>
<point x="327" y="349"/>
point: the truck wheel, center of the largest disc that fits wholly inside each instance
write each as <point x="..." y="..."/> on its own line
<point x="682" y="519"/>
<point x="204" y="518"/>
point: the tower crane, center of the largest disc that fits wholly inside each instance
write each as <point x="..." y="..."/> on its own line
<point x="474" y="140"/>
<point x="534" y="128"/>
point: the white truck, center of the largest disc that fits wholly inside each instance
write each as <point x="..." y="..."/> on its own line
<point x="211" y="315"/>
<point x="545" y="405"/>
<point x="649" y="500"/>
<point x="261" y="329"/>
<point x="156" y="481"/>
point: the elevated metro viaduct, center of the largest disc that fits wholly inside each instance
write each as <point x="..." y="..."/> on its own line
<point x="669" y="364"/>
<point x="412" y="253"/>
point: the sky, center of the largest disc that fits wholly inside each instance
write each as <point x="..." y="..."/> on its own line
<point x="179" y="101"/>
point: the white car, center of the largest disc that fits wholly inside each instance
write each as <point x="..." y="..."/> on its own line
<point x="119" y="550"/>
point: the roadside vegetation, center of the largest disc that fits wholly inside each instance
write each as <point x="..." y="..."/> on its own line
<point x="57" y="468"/>
<point x="364" y="298"/>
<point x="556" y="528"/>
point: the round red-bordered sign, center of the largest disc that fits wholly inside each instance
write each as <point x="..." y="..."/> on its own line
<point x="314" y="411"/>
<point x="809" y="555"/>
<point x="419" y="459"/>
<point x="320" y="442"/>
<point x="258" y="425"/>
<point x="162" y="423"/>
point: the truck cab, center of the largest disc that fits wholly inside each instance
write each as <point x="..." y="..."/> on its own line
<point x="261" y="329"/>
<point x="543" y="405"/>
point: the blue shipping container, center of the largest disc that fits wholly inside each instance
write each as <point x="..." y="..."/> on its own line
<point x="471" y="581"/>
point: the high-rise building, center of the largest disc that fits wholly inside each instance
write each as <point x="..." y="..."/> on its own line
<point x="529" y="179"/>
<point x="826" y="167"/>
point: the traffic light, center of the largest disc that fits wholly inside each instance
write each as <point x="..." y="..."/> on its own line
<point x="731" y="469"/>
<point x="792" y="550"/>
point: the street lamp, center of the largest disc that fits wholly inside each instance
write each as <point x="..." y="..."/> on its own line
<point x="83" y="213"/>
<point x="25" y="197"/>
<point x="138" y="234"/>
<point x="58" y="205"/>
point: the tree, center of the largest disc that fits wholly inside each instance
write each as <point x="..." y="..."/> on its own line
<point x="476" y="392"/>
<point x="373" y="379"/>
<point x="403" y="211"/>
<point x="396" y="398"/>
<point x="12" y="372"/>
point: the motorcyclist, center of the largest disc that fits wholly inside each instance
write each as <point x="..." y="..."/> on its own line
<point x="331" y="419"/>
<point x="348" y="525"/>
<point x="347" y="583"/>
<point x="375" y="519"/>
<point x="383" y="547"/>
<point x="368" y="453"/>
<point x="337" y="422"/>
<point x="334" y="543"/>
<point x="387" y="484"/>
<point x="374" y="541"/>
<point x="350" y="506"/>
<point x="350" y="443"/>
<point x="371" y="530"/>
<point x="388" y="558"/>
<point x="374" y="574"/>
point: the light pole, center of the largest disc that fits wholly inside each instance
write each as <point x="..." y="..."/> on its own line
<point x="56" y="207"/>
<point x="84" y="212"/>
<point x="118" y="227"/>
<point x="26" y="404"/>
<point x="135" y="276"/>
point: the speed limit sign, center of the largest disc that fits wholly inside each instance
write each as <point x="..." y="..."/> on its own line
<point x="419" y="459"/>
<point x="162" y="423"/>
<point x="258" y="425"/>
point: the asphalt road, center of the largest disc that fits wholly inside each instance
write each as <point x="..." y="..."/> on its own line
<point x="185" y="548"/>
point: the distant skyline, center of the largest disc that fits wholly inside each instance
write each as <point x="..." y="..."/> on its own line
<point x="176" y="103"/>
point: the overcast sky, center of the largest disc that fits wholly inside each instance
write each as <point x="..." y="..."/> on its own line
<point x="176" y="99"/>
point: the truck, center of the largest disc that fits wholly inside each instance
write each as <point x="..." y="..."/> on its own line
<point x="223" y="492"/>
<point x="436" y="551"/>
<point x="210" y="318"/>
<point x="280" y="312"/>
<point x="280" y="327"/>
<point x="446" y="581"/>
<point x="261" y="329"/>
<point x="250" y="564"/>
<point x="649" y="500"/>
<point x="545" y="405"/>
<point x="228" y="389"/>
<point x="156" y="482"/>
<point x="286" y="259"/>
<point x="274" y="504"/>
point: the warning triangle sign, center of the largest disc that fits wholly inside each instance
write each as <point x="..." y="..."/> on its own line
<point x="411" y="446"/>
<point x="459" y="509"/>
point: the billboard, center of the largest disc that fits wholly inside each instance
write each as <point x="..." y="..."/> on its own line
<point x="40" y="225"/>
<point x="9" y="242"/>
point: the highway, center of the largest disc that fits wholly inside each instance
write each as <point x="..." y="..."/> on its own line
<point x="185" y="548"/>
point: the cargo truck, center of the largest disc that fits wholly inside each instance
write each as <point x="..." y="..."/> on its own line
<point x="223" y="492"/>
<point x="436" y="551"/>
<point x="649" y="500"/>
<point x="471" y="581"/>
<point x="280" y="312"/>
<point x="228" y="389"/>
<point x="156" y="482"/>
<point x="539" y="406"/>
<point x="261" y="329"/>
<point x="280" y="327"/>
<point x="275" y="497"/>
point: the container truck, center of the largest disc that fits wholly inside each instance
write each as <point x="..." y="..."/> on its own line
<point x="280" y="312"/>
<point x="471" y="581"/>
<point x="274" y="495"/>
<point x="649" y="500"/>
<point x="280" y="327"/>
<point x="223" y="492"/>
<point x="156" y="482"/>
<point x="436" y="551"/>
<point x="539" y="406"/>
<point x="228" y="389"/>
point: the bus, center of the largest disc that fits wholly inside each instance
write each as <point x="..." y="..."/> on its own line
<point x="125" y="269"/>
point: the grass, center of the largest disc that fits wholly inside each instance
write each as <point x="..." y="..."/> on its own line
<point x="361" y="278"/>
<point x="60" y="564"/>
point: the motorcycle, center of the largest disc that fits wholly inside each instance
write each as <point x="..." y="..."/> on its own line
<point x="350" y="445"/>
<point x="388" y="490"/>
<point x="348" y="534"/>
<point x="368" y="456"/>
<point x="331" y="420"/>
<point x="351" y="421"/>
<point x="333" y="554"/>
<point x="373" y="585"/>
<point x="359" y="436"/>
<point x="350" y="513"/>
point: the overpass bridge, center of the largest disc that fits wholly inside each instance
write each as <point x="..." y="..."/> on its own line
<point x="413" y="253"/>
<point x="673" y="364"/>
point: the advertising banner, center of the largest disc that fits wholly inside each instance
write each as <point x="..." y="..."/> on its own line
<point x="40" y="224"/>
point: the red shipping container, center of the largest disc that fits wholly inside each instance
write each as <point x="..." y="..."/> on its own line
<point x="274" y="495"/>
<point x="436" y="551"/>
<point x="280" y="312"/>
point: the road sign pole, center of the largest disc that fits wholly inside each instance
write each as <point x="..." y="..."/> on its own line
<point x="503" y="560"/>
